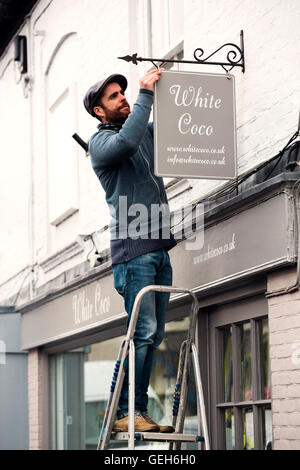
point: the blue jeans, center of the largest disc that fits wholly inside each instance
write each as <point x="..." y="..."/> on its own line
<point x="129" y="279"/>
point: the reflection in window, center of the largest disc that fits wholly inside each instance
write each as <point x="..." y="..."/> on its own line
<point x="267" y="427"/>
<point x="264" y="347"/>
<point x="248" y="432"/>
<point x="229" y="428"/>
<point x="227" y="347"/>
<point x="246" y="370"/>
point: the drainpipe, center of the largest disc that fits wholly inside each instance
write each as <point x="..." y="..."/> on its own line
<point x="28" y="92"/>
<point x="149" y="27"/>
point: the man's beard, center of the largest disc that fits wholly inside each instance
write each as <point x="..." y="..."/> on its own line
<point x="116" y="116"/>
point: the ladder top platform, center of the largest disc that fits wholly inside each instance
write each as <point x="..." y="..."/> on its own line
<point x="157" y="436"/>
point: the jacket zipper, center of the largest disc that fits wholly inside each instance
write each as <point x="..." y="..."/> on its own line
<point x="152" y="177"/>
<point x="155" y="182"/>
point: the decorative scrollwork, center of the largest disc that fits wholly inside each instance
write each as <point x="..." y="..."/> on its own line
<point x="234" y="53"/>
<point x="198" y="53"/>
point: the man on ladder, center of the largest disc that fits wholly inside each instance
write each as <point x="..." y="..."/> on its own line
<point x="122" y="156"/>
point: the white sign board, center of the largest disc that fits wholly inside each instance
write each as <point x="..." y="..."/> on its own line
<point x="195" y="126"/>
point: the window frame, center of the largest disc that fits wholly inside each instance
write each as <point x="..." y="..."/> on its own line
<point x="174" y="186"/>
<point x="236" y="314"/>
<point x="171" y="46"/>
<point x="60" y="209"/>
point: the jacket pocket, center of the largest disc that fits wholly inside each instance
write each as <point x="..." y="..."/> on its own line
<point x="119" y="277"/>
<point x="122" y="276"/>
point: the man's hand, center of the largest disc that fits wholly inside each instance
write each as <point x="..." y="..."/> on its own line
<point x="149" y="79"/>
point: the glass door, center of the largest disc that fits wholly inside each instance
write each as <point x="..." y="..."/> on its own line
<point x="67" y="400"/>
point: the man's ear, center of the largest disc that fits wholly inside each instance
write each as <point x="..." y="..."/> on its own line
<point x="99" y="111"/>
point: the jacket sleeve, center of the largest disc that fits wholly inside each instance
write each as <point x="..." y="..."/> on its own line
<point x="108" y="148"/>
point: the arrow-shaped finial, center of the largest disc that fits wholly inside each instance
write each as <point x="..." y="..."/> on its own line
<point x="131" y="58"/>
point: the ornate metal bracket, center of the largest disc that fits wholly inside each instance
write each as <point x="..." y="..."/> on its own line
<point x="235" y="57"/>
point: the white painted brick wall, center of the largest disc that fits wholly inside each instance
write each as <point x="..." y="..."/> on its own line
<point x="268" y="94"/>
<point x="14" y="174"/>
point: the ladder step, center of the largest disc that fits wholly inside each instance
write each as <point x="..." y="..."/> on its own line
<point x="157" y="436"/>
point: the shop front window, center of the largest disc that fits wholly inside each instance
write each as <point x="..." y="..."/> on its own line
<point x="243" y="398"/>
<point x="239" y="387"/>
<point x="80" y="384"/>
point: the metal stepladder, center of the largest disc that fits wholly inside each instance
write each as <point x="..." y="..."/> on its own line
<point x="188" y="354"/>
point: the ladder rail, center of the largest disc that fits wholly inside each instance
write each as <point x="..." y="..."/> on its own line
<point x="191" y="333"/>
<point x="177" y="391"/>
<point x="113" y="400"/>
<point x="131" y="395"/>
<point x="127" y="349"/>
<point x="157" y="288"/>
<point x="199" y="389"/>
<point x="183" y="393"/>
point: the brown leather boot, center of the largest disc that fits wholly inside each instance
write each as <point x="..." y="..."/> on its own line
<point x="140" y="425"/>
<point x="161" y="427"/>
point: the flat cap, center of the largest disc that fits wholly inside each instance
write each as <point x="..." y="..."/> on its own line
<point x="96" y="90"/>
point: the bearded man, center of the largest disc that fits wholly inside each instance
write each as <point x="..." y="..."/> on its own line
<point x="122" y="156"/>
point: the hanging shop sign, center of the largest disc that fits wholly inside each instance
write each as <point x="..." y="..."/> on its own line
<point x="195" y="125"/>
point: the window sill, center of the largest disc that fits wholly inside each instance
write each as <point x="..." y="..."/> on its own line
<point x="64" y="216"/>
<point x="244" y="404"/>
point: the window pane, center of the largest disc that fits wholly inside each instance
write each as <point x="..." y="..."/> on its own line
<point x="267" y="427"/>
<point x="227" y="364"/>
<point x="246" y="372"/>
<point x="248" y="431"/>
<point x="229" y="429"/>
<point x="176" y="20"/>
<point x="159" y="27"/>
<point x="166" y="20"/>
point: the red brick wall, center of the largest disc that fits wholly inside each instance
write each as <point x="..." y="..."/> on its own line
<point x="35" y="400"/>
